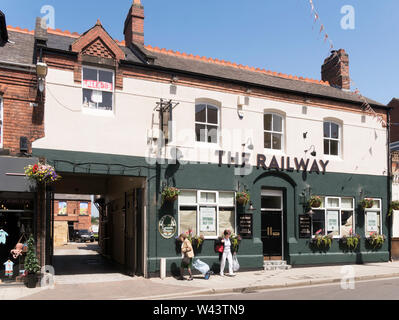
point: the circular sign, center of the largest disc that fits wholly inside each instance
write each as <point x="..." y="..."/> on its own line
<point x="167" y="226"/>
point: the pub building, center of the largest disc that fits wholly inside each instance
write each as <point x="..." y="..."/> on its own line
<point x="145" y="119"/>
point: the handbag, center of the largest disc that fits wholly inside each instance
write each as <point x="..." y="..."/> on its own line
<point x="219" y="248"/>
<point x="186" y="260"/>
<point x="236" y="265"/>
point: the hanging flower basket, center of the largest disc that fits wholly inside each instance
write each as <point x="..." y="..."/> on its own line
<point x="394" y="206"/>
<point x="42" y="173"/>
<point x="314" y="202"/>
<point x="242" y="198"/>
<point x="170" y="194"/>
<point x="367" y="203"/>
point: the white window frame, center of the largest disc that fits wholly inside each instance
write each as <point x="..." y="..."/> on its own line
<point x="200" y="204"/>
<point x="96" y="110"/>
<point x="1" y="122"/>
<point x="206" y="124"/>
<point x="326" y="208"/>
<point x="333" y="139"/>
<point x="274" y="132"/>
<point x="379" y="210"/>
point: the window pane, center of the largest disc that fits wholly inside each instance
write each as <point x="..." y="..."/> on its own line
<point x="268" y="140"/>
<point x="226" y="199"/>
<point x="208" y="221"/>
<point x="333" y="222"/>
<point x="226" y="220"/>
<point x="377" y="203"/>
<point x="334" y="131"/>
<point x="200" y="132"/>
<point x="188" y="219"/>
<point x="271" y="202"/>
<point x="333" y="202"/>
<point x="346" y="223"/>
<point x="326" y="129"/>
<point x="83" y="209"/>
<point x="89" y="74"/>
<point x="106" y="103"/>
<point x="212" y="115"/>
<point x="208" y="197"/>
<point x="189" y="197"/>
<point x="326" y="146"/>
<point x="105" y="76"/>
<point x="347" y="203"/>
<point x="334" y="147"/>
<point x="62" y="208"/>
<point x="267" y="122"/>
<point x="372" y="222"/>
<point x="318" y="225"/>
<point x="200" y="113"/>
<point x="87" y="102"/>
<point x="212" y="134"/>
<point x="277" y="123"/>
<point x="276" y="141"/>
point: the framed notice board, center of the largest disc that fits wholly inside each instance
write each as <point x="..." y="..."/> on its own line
<point x="305" y="226"/>
<point x="245" y="225"/>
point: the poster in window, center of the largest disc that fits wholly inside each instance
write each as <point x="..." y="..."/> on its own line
<point x="84" y="209"/>
<point x="62" y="208"/>
<point x="97" y="85"/>
<point x="372" y="222"/>
<point x="207" y="219"/>
<point x="332" y="221"/>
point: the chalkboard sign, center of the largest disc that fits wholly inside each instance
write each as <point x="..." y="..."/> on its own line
<point x="305" y="226"/>
<point x="245" y="225"/>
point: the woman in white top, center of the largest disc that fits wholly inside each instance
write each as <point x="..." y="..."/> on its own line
<point x="226" y="254"/>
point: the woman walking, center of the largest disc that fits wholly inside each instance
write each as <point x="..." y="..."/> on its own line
<point x="187" y="256"/>
<point x="226" y="254"/>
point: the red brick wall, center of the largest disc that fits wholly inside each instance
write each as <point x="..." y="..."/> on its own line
<point x="19" y="117"/>
<point x="394" y="104"/>
<point x="73" y="209"/>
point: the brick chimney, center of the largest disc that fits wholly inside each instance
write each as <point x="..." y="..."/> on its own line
<point x="134" y="24"/>
<point x="335" y="70"/>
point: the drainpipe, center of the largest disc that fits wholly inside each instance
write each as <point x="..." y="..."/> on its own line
<point x="389" y="182"/>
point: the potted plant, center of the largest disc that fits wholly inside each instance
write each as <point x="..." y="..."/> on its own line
<point x="350" y="241"/>
<point x="42" y="173"/>
<point x="376" y="240"/>
<point x="170" y="194"/>
<point x="394" y="206"/>
<point x="367" y="203"/>
<point x="31" y="264"/>
<point x="242" y="198"/>
<point x="314" y="202"/>
<point x="322" y="242"/>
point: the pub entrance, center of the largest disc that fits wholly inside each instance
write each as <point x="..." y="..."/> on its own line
<point x="272" y="234"/>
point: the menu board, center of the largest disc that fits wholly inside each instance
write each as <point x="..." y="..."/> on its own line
<point x="305" y="226"/>
<point x="245" y="225"/>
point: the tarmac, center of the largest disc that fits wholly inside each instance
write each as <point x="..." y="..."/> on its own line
<point x="115" y="286"/>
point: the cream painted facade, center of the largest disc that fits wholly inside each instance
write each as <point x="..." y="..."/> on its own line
<point x="127" y="129"/>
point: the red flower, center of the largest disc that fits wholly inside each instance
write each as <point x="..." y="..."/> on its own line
<point x="35" y="167"/>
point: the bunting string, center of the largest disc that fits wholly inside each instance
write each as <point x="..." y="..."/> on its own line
<point x="322" y="31"/>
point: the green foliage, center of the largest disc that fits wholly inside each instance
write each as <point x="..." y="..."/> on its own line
<point x="31" y="261"/>
<point x="376" y="240"/>
<point x="394" y="206"/>
<point x="351" y="241"/>
<point x="242" y="197"/>
<point x="314" y="202"/>
<point x="170" y="194"/>
<point x="235" y="241"/>
<point x="367" y="203"/>
<point x="322" y="242"/>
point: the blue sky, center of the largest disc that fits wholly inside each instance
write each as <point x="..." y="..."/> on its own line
<point x="278" y="35"/>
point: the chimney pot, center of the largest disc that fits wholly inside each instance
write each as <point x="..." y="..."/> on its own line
<point x="134" y="24"/>
<point x="335" y="69"/>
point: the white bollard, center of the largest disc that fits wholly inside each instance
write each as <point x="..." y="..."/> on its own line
<point x="163" y="268"/>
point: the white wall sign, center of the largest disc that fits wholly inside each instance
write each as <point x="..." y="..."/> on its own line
<point x="332" y="220"/>
<point x="207" y="219"/>
<point x="372" y="221"/>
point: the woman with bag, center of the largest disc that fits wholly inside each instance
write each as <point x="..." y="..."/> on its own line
<point x="187" y="256"/>
<point x="227" y="254"/>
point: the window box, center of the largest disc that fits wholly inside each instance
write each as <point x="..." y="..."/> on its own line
<point x="322" y="242"/>
<point x="350" y="242"/>
<point x="375" y="241"/>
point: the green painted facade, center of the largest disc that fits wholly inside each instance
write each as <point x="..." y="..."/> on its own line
<point x="222" y="178"/>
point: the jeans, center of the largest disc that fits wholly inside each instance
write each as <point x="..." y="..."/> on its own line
<point x="229" y="257"/>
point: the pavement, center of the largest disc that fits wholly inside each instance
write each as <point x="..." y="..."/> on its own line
<point x="102" y="281"/>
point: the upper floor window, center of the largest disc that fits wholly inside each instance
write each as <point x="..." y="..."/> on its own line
<point x="206" y="123"/>
<point x="1" y="122"/>
<point x="62" y="208"/>
<point x="83" y="208"/>
<point x="331" y="138"/>
<point x="98" y="88"/>
<point x="273" y="131"/>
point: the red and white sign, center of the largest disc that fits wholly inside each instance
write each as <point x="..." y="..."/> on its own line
<point x="97" y="85"/>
